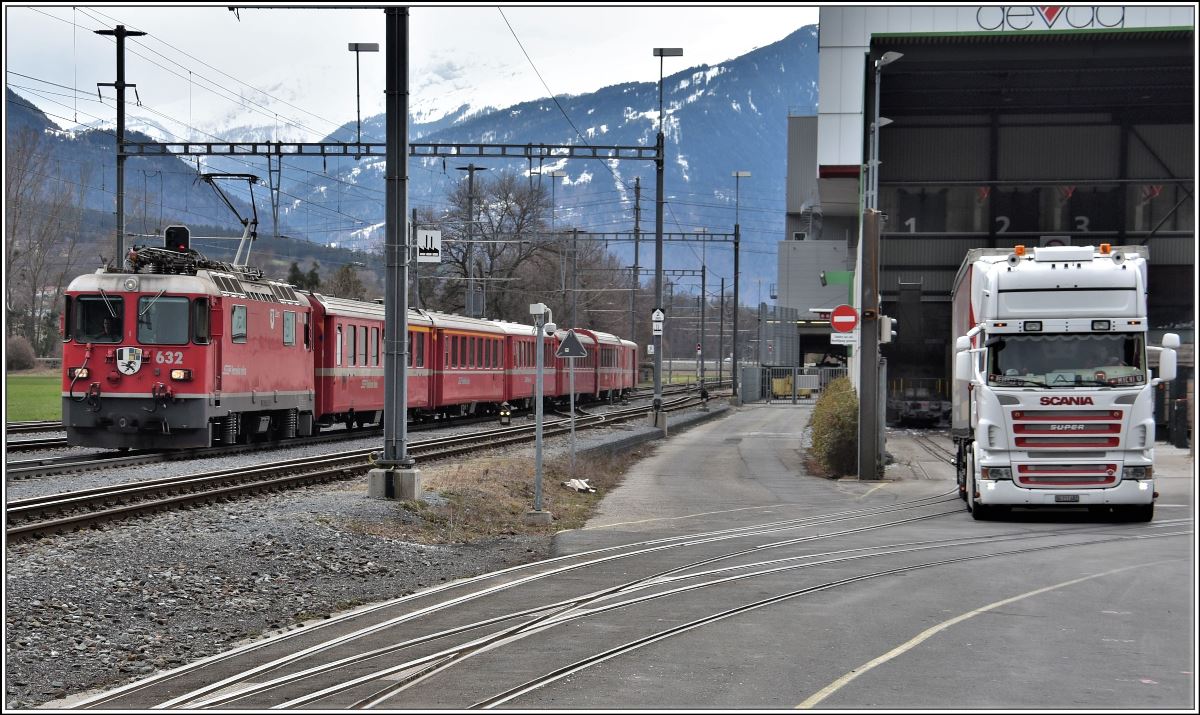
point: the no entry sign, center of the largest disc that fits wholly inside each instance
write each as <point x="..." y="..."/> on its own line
<point x="844" y="318"/>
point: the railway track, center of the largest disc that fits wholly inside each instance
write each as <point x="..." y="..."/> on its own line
<point x="34" y="426"/>
<point x="929" y="445"/>
<point x="67" y="511"/>
<point x="34" y="444"/>
<point x="27" y="469"/>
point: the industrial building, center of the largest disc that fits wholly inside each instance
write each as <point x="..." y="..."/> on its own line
<point x="997" y="126"/>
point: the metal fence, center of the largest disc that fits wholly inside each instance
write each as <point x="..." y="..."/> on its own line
<point x="786" y="384"/>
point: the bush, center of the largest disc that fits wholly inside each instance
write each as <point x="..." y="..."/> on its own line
<point x="835" y="428"/>
<point x="20" y="353"/>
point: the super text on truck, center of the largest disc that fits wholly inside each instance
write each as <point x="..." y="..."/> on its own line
<point x="1052" y="395"/>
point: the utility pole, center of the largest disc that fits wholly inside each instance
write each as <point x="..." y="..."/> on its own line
<point x="637" y="233"/>
<point x="737" y="235"/>
<point x="416" y="265"/>
<point x="660" y="420"/>
<point x="120" y="33"/>
<point x="703" y="301"/>
<point x="868" y="351"/>
<point x="721" y="337"/>
<point x="574" y="277"/>
<point x="394" y="476"/>
<point x="470" y="169"/>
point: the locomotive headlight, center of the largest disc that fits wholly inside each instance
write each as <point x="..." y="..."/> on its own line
<point x="131" y="284"/>
<point x="181" y="374"/>
<point x="79" y="373"/>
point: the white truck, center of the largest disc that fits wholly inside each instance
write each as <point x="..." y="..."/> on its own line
<point x="1052" y="399"/>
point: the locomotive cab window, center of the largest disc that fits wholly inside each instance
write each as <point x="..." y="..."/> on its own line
<point x="238" y="324"/>
<point x="200" y="318"/>
<point x="337" y="349"/>
<point x="98" y="319"/>
<point x="162" y="320"/>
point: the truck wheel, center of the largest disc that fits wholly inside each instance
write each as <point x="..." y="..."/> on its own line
<point x="1139" y="512"/>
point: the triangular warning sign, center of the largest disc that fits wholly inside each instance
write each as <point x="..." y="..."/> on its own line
<point x="570" y="347"/>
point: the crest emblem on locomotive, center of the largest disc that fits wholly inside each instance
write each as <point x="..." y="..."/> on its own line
<point x="129" y="360"/>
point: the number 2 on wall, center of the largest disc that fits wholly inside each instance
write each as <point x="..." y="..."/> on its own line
<point x="168" y="357"/>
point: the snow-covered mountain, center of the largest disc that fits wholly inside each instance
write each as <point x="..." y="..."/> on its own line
<point x="722" y="118"/>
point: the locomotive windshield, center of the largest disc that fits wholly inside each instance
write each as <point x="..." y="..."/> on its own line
<point x="162" y="320"/>
<point x="98" y="319"/>
<point x="1067" y="360"/>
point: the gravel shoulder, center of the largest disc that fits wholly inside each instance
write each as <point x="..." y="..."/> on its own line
<point x="92" y="610"/>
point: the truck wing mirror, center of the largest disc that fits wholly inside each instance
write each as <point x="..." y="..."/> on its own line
<point x="1171" y="340"/>
<point x="962" y="343"/>
<point x="962" y="365"/>
<point x="1166" y="363"/>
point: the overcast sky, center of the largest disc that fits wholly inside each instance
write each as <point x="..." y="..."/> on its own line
<point x="300" y="57"/>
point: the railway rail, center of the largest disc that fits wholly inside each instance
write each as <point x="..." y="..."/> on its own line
<point x="72" y="510"/>
<point x="27" y="469"/>
<point x="34" y="426"/>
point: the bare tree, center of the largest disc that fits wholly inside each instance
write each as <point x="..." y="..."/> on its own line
<point x="44" y="213"/>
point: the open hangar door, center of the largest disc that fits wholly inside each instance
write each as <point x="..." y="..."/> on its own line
<point x="996" y="140"/>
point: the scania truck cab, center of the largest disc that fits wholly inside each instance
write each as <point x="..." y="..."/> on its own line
<point x="1052" y="394"/>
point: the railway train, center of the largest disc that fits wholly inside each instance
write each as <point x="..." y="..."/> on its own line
<point x="175" y="350"/>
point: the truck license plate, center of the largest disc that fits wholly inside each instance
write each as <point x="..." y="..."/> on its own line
<point x="1066" y="497"/>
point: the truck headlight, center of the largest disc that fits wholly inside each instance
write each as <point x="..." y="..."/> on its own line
<point x="183" y="375"/>
<point x="1138" y="473"/>
<point x="997" y="473"/>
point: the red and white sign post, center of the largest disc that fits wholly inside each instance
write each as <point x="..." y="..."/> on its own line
<point x="844" y="321"/>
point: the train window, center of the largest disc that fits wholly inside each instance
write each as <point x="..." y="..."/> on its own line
<point x="64" y="324"/>
<point x="307" y="334"/>
<point x="478" y="351"/>
<point x="421" y="337"/>
<point x="375" y="346"/>
<point x="98" y="320"/>
<point x="200" y="318"/>
<point x="495" y="354"/>
<point x="454" y="345"/>
<point x="350" y="335"/>
<point x="238" y="324"/>
<point x="337" y="347"/>
<point x="362" y="345"/>
<point x="162" y="321"/>
<point x="289" y="327"/>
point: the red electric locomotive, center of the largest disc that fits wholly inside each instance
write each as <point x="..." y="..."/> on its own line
<point x="185" y="354"/>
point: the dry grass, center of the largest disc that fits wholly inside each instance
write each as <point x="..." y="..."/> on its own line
<point x="486" y="497"/>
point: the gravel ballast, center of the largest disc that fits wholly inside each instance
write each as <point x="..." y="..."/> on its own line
<point x="92" y="610"/>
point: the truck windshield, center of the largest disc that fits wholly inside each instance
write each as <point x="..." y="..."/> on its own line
<point x="1067" y="360"/>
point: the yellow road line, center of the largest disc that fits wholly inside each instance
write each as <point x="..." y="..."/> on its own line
<point x="930" y="632"/>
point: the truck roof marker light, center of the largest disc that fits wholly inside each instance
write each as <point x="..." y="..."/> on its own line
<point x="1133" y="322"/>
<point x="1019" y="249"/>
<point x="1105" y="249"/>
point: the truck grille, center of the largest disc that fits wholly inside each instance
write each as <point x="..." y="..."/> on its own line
<point x="1051" y="476"/>
<point x="1067" y="429"/>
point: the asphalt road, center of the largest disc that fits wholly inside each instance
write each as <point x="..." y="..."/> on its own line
<point x="721" y="575"/>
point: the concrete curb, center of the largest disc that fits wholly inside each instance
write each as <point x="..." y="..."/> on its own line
<point x="651" y="434"/>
